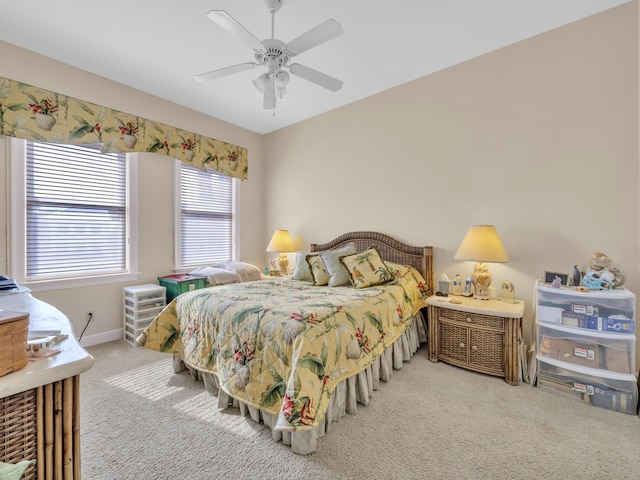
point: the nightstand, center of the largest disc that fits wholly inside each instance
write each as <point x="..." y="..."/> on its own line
<point x="479" y="335"/>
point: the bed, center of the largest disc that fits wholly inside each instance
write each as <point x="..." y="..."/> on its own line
<point x="295" y="354"/>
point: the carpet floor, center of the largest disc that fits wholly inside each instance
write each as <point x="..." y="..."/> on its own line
<point x="139" y="420"/>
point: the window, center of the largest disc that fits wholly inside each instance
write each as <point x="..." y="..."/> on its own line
<point x="72" y="216"/>
<point x="204" y="219"/>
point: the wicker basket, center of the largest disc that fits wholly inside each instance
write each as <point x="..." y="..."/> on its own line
<point x="18" y="426"/>
<point x="14" y="327"/>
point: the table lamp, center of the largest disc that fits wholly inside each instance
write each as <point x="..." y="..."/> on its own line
<point x="481" y="244"/>
<point x="281" y="242"/>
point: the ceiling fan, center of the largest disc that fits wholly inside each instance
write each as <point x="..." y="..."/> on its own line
<point x="275" y="55"/>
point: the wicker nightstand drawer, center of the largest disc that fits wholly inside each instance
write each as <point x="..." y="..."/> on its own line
<point x="474" y="319"/>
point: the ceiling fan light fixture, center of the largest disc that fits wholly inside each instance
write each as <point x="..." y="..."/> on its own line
<point x="261" y="82"/>
<point x="282" y="79"/>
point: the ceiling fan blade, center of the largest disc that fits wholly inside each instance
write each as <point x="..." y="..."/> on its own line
<point x="320" y="34"/>
<point x="319" y="78"/>
<point x="269" y="102"/>
<point x="223" y="72"/>
<point x="226" y="21"/>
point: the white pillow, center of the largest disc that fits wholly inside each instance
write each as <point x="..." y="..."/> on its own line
<point x="338" y="273"/>
<point x="245" y="271"/>
<point x="301" y="271"/>
<point x="216" y="276"/>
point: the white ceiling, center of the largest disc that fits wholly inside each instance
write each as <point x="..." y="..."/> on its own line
<point x="157" y="46"/>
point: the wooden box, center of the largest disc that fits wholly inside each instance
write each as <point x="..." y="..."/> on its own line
<point x="14" y="327"/>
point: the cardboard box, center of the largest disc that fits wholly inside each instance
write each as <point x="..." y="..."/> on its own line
<point x="617" y="360"/>
<point x="549" y="314"/>
<point x="570" y="352"/>
<point x="601" y="324"/>
<point x="611" y="325"/>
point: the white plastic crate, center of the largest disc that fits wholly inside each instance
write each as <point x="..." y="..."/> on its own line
<point x="141" y="304"/>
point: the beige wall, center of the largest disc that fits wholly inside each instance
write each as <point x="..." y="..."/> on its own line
<point x="539" y="138"/>
<point x="155" y="186"/>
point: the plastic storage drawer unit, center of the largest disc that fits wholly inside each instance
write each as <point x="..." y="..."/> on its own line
<point x="177" y="284"/>
<point x="142" y="304"/>
<point x="587" y="345"/>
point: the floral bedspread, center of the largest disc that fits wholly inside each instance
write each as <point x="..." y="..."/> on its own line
<point x="283" y="345"/>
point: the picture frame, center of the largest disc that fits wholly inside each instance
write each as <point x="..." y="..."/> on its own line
<point x="550" y="276"/>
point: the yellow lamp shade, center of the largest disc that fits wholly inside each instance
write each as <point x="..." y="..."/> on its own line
<point x="482" y="244"/>
<point x="280" y="242"/>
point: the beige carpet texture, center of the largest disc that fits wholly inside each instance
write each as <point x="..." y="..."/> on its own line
<point x="139" y="420"/>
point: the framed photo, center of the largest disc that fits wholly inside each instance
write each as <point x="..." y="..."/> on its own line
<point x="443" y="287"/>
<point x="549" y="277"/>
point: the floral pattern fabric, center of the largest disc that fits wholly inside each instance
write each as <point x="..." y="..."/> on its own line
<point x="283" y="345"/>
<point x="33" y="113"/>
<point x="367" y="269"/>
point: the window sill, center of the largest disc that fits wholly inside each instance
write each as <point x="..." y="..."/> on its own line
<point x="61" y="284"/>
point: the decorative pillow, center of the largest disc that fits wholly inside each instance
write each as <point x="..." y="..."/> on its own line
<point x="216" y="276"/>
<point x="338" y="274"/>
<point x="245" y="271"/>
<point x="398" y="270"/>
<point x="367" y="269"/>
<point x="316" y="265"/>
<point x="301" y="271"/>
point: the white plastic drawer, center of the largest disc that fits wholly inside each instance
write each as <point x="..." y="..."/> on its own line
<point x="130" y="322"/>
<point x="602" y="311"/>
<point x="150" y="302"/>
<point x="137" y="315"/>
<point x="597" y="387"/>
<point x="144" y="292"/>
<point x="591" y="349"/>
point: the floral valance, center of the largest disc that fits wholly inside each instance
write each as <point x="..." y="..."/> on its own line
<point x="33" y="113"/>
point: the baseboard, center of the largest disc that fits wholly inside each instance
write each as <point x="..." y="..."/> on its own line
<point x="103" y="337"/>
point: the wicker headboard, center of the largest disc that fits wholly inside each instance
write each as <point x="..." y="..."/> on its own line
<point x="420" y="258"/>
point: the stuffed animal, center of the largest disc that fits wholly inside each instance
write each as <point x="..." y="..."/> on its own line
<point x="602" y="274"/>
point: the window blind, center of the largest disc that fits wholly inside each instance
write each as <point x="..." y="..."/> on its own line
<point x="206" y="217"/>
<point x="76" y="221"/>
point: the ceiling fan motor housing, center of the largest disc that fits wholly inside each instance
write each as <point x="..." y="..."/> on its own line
<point x="273" y="5"/>
<point x="274" y="52"/>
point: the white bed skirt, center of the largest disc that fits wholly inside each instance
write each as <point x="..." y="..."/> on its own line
<point x="348" y="393"/>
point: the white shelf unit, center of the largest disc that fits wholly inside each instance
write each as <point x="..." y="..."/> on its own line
<point x="586" y="345"/>
<point x="142" y="303"/>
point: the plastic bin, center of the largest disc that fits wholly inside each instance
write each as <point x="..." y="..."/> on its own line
<point x="600" y="388"/>
<point x="178" y="284"/>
